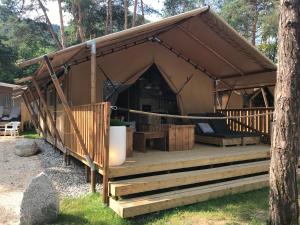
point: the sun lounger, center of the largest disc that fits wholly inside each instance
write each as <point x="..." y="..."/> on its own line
<point x="217" y="132"/>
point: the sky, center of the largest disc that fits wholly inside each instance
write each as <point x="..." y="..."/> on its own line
<point x="53" y="14"/>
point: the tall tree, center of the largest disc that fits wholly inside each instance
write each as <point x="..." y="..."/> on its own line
<point x="256" y="20"/>
<point x="62" y="28"/>
<point x="174" y="7"/>
<point x="78" y="18"/>
<point x="134" y="13"/>
<point x="284" y="208"/>
<point x="8" y="56"/>
<point x="109" y="20"/>
<point x="125" y="14"/>
<point x="143" y="12"/>
<point x="49" y="24"/>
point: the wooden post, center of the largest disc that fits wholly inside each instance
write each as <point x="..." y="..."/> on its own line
<point x="264" y="94"/>
<point x="47" y="110"/>
<point x="55" y="117"/>
<point x="106" y="115"/>
<point x="31" y="113"/>
<point x="68" y="112"/>
<point x="229" y="96"/>
<point x="92" y="45"/>
<point x="46" y="128"/>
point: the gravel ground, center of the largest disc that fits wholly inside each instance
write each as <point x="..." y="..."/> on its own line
<point x="70" y="181"/>
<point x="16" y="173"/>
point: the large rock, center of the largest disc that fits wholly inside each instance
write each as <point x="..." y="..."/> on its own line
<point x="40" y="203"/>
<point x="26" y="148"/>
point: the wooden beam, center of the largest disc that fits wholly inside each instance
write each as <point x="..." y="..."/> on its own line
<point x="68" y="111"/>
<point x="31" y="113"/>
<point x="40" y="112"/>
<point x="23" y="80"/>
<point x="228" y="99"/>
<point x="264" y="94"/>
<point x="246" y="87"/>
<point x="35" y="84"/>
<point x="248" y="74"/>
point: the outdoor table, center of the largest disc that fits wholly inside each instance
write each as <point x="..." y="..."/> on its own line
<point x="140" y="138"/>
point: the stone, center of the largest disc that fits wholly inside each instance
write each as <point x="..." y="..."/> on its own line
<point x="40" y="203"/>
<point x="26" y="148"/>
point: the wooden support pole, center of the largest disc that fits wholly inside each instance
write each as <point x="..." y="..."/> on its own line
<point x="46" y="128"/>
<point x="92" y="45"/>
<point x="32" y="114"/>
<point x="68" y="112"/>
<point x="228" y="99"/>
<point x="47" y="110"/>
<point x="55" y="117"/>
<point x="106" y="119"/>
<point x="264" y="94"/>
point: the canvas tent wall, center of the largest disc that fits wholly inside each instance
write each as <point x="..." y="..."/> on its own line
<point x="197" y="53"/>
<point x="9" y="96"/>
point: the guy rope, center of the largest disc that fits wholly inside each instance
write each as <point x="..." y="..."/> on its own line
<point x="116" y="108"/>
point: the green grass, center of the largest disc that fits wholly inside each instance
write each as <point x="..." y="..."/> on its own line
<point x="30" y="134"/>
<point x="247" y="208"/>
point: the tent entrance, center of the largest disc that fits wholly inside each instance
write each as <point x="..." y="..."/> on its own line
<point x="149" y="93"/>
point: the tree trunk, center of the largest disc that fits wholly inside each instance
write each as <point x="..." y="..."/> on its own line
<point x="134" y="13"/>
<point x="143" y="13"/>
<point x="62" y="29"/>
<point x="108" y="24"/>
<point x="79" y="22"/>
<point x="254" y="23"/>
<point x="286" y="129"/>
<point x="125" y="14"/>
<point x="49" y="25"/>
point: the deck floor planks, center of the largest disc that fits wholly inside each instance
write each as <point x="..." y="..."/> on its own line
<point x="200" y="155"/>
<point x="152" y="203"/>
<point x="149" y="183"/>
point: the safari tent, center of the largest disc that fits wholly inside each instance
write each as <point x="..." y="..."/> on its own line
<point x="197" y="55"/>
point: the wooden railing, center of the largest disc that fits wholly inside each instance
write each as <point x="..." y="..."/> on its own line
<point x="93" y="123"/>
<point x="251" y="121"/>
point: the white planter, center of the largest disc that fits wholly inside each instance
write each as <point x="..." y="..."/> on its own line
<point x="117" y="145"/>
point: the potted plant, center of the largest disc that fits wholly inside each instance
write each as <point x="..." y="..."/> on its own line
<point x="117" y="143"/>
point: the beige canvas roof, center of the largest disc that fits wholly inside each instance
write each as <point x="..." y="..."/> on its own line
<point x="194" y="51"/>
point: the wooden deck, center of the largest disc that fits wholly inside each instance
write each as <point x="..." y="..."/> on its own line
<point x="157" y="180"/>
<point x="200" y="155"/>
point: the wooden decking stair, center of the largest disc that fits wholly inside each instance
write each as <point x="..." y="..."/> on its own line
<point x="148" y="193"/>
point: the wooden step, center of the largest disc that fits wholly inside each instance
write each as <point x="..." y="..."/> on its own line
<point x="149" y="183"/>
<point x="157" y="161"/>
<point x="152" y="203"/>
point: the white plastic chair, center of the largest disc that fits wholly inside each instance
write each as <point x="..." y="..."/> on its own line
<point x="13" y="128"/>
<point x="15" y="113"/>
